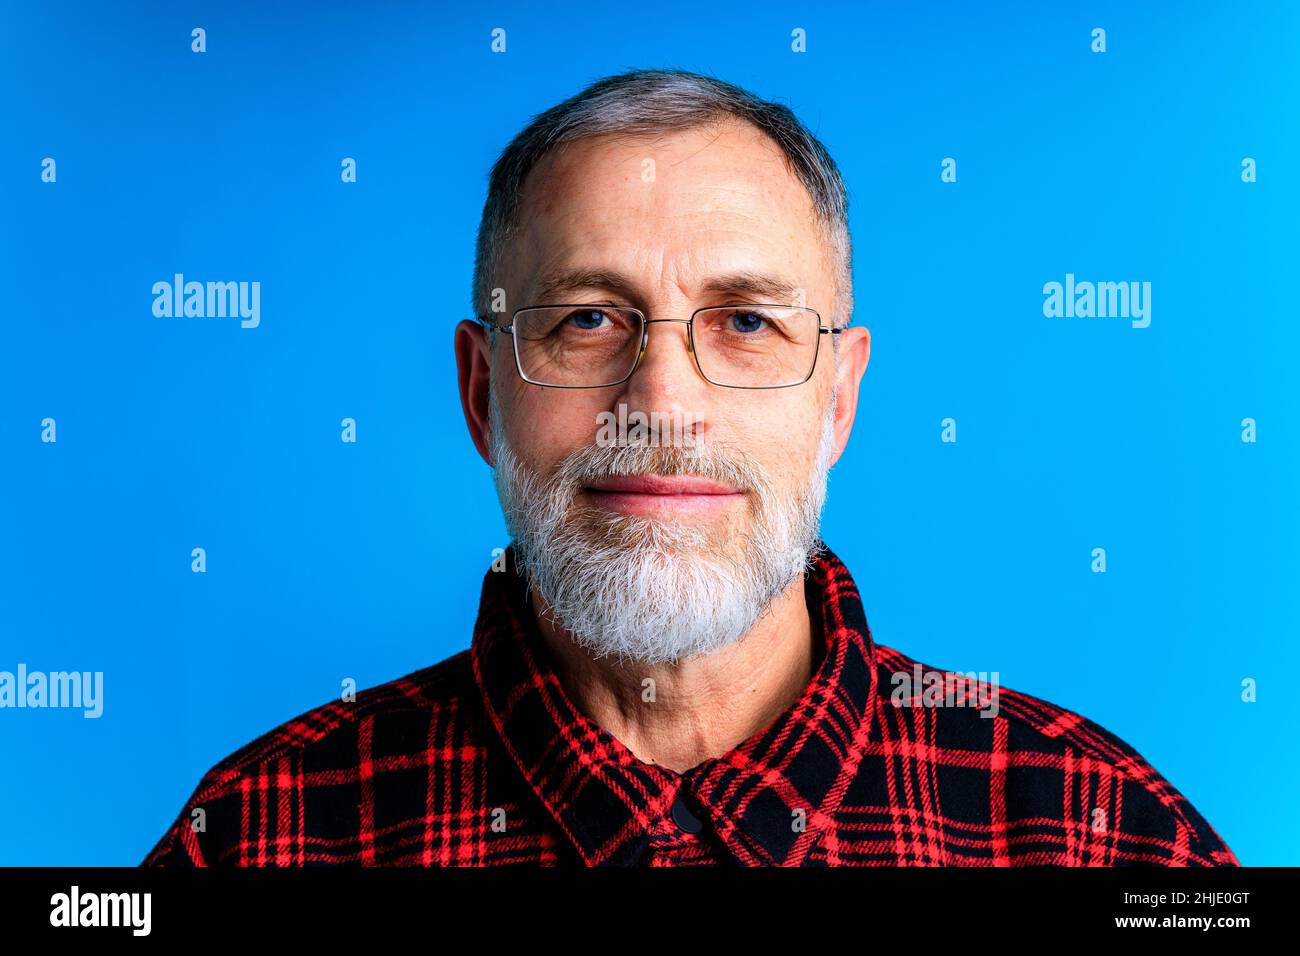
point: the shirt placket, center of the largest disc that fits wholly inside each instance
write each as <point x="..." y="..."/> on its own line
<point x="679" y="837"/>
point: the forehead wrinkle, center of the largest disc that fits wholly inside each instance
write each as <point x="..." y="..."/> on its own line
<point x="685" y="240"/>
<point x="560" y="284"/>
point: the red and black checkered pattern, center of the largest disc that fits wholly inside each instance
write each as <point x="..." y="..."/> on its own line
<point x="484" y="760"/>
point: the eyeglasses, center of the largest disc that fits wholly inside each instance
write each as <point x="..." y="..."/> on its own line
<point x="596" y="346"/>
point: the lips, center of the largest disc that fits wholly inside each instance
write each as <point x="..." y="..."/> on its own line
<point x="660" y="485"/>
<point x="664" y="496"/>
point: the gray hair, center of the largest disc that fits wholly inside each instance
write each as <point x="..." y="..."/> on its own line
<point x="647" y="102"/>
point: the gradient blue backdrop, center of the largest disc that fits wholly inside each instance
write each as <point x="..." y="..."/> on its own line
<point x="328" y="560"/>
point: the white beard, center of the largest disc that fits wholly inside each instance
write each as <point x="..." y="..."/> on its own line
<point x="645" y="589"/>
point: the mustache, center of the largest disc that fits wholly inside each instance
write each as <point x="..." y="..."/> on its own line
<point x="714" y="461"/>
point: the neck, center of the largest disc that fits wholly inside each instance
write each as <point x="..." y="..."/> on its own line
<point x="701" y="707"/>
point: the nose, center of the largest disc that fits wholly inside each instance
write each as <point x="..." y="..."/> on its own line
<point x="667" y="379"/>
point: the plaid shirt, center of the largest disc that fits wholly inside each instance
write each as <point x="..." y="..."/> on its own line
<point x="484" y="760"/>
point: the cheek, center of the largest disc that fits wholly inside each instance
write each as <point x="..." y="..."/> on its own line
<point x="783" y="437"/>
<point x="544" y="426"/>
<point x="799" y="452"/>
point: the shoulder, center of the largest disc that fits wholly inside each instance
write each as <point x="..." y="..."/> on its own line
<point x="391" y="720"/>
<point x="1052" y="762"/>
<point x="444" y="687"/>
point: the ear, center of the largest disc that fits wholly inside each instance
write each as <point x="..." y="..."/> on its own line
<point x="855" y="353"/>
<point x="474" y="369"/>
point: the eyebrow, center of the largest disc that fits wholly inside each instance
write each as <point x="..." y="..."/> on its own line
<point x="744" y="282"/>
<point x="556" y="284"/>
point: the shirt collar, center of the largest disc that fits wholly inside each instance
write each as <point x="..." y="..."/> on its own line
<point x="769" y="799"/>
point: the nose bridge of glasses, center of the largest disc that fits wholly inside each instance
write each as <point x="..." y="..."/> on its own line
<point x="645" y="333"/>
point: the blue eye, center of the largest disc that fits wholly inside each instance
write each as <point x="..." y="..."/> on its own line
<point x="747" y="322"/>
<point x="587" y="319"/>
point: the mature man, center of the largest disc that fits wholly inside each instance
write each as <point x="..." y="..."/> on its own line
<point x="669" y="667"/>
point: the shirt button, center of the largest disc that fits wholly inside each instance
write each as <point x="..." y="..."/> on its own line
<point x="684" y="818"/>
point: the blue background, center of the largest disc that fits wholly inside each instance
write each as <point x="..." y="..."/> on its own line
<point x="328" y="560"/>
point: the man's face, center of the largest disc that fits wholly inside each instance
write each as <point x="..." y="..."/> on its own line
<point x="674" y="223"/>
